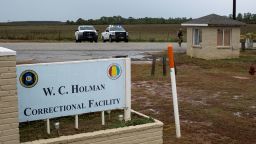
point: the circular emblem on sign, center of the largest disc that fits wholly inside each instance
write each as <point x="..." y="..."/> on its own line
<point x="114" y="71"/>
<point x="28" y="78"/>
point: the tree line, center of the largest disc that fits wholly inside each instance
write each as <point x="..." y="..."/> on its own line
<point x="130" y="20"/>
<point x="248" y="18"/>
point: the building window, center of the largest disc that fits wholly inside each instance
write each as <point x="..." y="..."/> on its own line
<point x="197" y="37"/>
<point x="224" y="37"/>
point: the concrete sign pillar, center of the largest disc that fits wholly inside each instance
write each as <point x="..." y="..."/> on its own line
<point x="9" y="124"/>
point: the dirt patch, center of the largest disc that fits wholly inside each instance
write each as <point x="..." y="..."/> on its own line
<point x="214" y="106"/>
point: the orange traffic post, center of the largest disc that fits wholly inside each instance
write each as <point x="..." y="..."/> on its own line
<point x="170" y="56"/>
<point x="174" y="90"/>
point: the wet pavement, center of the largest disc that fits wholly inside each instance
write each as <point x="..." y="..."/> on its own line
<point x="56" y="52"/>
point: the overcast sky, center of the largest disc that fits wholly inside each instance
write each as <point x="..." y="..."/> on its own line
<point x="62" y="10"/>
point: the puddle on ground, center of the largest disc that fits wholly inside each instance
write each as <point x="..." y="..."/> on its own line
<point x="236" y="97"/>
<point x="237" y="114"/>
<point x="253" y="107"/>
<point x="241" y="78"/>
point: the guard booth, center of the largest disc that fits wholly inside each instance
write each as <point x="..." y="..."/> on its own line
<point x="213" y="37"/>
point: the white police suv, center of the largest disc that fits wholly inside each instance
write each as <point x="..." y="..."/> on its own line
<point x="114" y="33"/>
<point x="86" y="33"/>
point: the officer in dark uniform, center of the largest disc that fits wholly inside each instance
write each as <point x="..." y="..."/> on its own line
<point x="180" y="37"/>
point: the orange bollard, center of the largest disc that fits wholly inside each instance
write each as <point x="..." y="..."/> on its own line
<point x="174" y="90"/>
<point x="170" y="56"/>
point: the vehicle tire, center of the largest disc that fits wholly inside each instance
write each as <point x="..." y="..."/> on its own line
<point x="126" y="40"/>
<point x="110" y="39"/>
<point x="95" y="39"/>
<point x="103" y="39"/>
<point x="78" y="41"/>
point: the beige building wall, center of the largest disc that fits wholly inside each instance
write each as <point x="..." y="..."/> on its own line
<point x="209" y="49"/>
<point x="9" y="125"/>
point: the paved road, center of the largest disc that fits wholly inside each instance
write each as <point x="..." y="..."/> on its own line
<point x="51" y="52"/>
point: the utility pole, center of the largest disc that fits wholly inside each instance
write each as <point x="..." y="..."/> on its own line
<point x="234" y="9"/>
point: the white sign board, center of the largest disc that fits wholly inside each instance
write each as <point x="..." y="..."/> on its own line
<point x="70" y="88"/>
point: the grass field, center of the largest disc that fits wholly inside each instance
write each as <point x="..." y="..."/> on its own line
<point x="66" y="32"/>
<point x="150" y="33"/>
